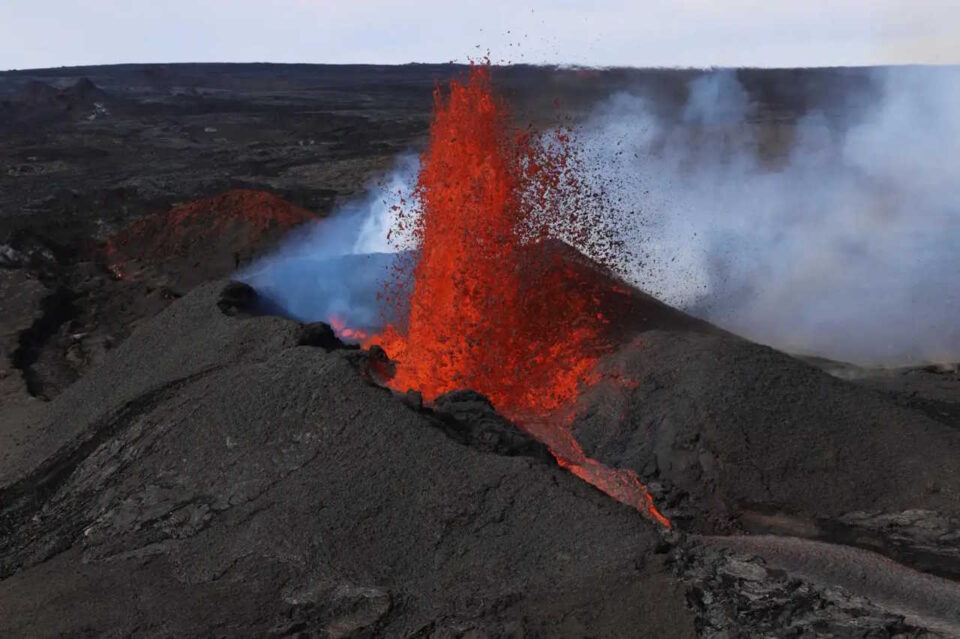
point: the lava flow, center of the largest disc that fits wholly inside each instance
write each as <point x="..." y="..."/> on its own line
<point x="494" y="304"/>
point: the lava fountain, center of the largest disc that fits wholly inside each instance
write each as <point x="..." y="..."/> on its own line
<point x="493" y="303"/>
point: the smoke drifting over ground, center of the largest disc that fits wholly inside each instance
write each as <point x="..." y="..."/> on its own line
<point x="836" y="235"/>
<point x="846" y="247"/>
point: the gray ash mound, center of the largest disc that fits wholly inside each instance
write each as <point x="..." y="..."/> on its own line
<point x="37" y="93"/>
<point x="732" y="436"/>
<point x="736" y="437"/>
<point x="228" y="473"/>
<point x="213" y="476"/>
<point x="231" y="473"/>
<point x="38" y="101"/>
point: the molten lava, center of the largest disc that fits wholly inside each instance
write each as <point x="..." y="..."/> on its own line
<point x="341" y="329"/>
<point x="487" y="310"/>
<point x="495" y="304"/>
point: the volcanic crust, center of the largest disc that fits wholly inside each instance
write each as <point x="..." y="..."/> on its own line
<point x="174" y="462"/>
<point x="247" y="483"/>
<point x="255" y="486"/>
<point x="736" y="426"/>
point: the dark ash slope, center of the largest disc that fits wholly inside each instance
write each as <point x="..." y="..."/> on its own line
<point x="213" y="477"/>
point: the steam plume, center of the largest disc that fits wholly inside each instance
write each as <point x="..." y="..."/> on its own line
<point x="848" y="246"/>
<point x="336" y="267"/>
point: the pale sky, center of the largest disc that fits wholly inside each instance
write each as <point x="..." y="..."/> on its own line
<point x="44" y="33"/>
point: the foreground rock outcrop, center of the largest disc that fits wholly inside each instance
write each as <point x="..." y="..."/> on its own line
<point x="232" y="474"/>
<point x="213" y="476"/>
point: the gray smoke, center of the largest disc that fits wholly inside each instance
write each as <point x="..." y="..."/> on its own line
<point x="845" y="245"/>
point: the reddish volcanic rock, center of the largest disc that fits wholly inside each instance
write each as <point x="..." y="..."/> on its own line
<point x="214" y="234"/>
<point x="240" y="219"/>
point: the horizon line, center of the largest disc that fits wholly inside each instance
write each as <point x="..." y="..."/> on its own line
<point x="547" y="65"/>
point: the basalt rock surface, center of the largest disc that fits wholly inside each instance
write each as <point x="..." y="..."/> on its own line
<point x="213" y="476"/>
<point x="470" y="418"/>
<point x="218" y="475"/>
<point x="923" y="538"/>
<point x="732" y="436"/>
<point x="737" y="594"/>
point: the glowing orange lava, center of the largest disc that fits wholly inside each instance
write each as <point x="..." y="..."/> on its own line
<point x="620" y="483"/>
<point x="342" y="330"/>
<point x="485" y="312"/>
<point x="495" y="304"/>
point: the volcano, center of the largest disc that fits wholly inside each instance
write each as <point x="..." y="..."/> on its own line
<point x="495" y="304"/>
<point x="181" y="479"/>
<point x="229" y="466"/>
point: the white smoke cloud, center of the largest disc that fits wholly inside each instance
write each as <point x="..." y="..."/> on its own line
<point x="850" y="248"/>
<point x="377" y="210"/>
